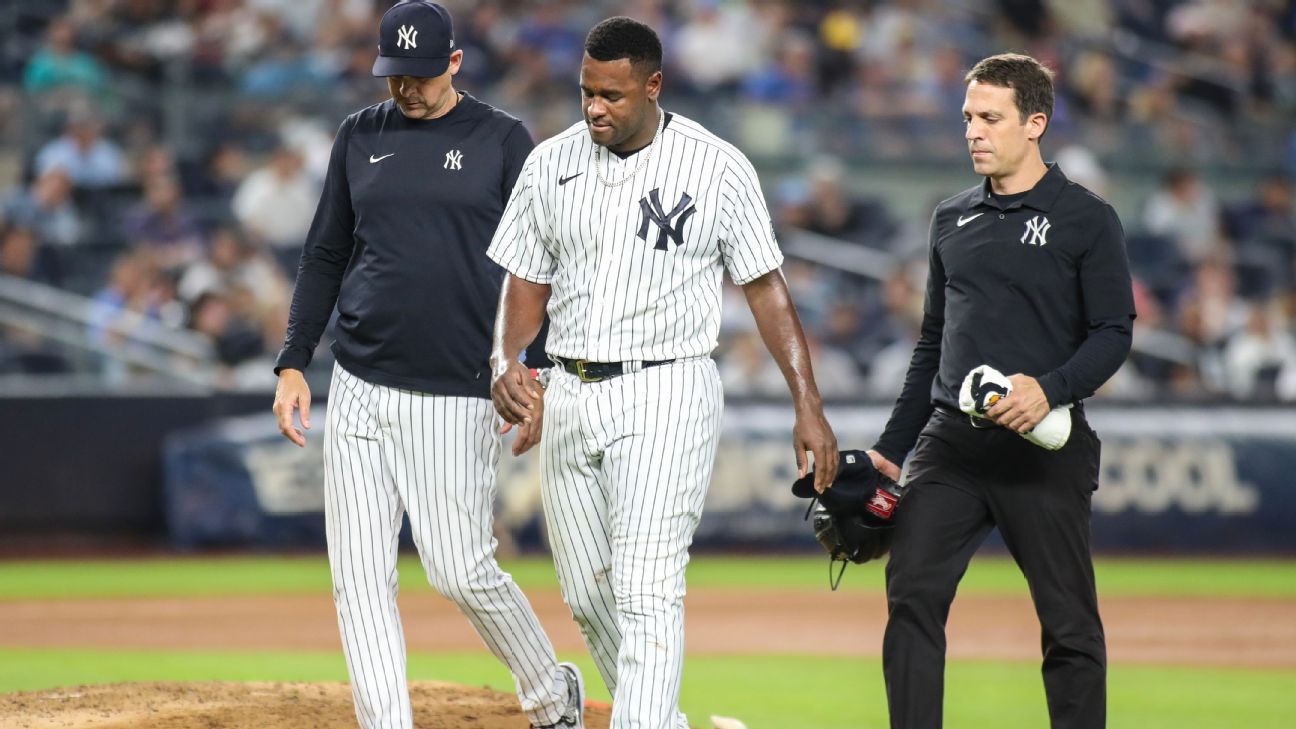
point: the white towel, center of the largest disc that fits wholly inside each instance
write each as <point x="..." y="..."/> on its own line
<point x="985" y="385"/>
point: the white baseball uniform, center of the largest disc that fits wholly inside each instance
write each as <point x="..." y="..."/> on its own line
<point x="389" y="451"/>
<point x="635" y="271"/>
<point x="410" y="425"/>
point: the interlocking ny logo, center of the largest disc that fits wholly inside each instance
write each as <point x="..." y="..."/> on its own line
<point x="1036" y="233"/>
<point x="454" y="159"/>
<point x="407" y="35"/>
<point x="653" y="212"/>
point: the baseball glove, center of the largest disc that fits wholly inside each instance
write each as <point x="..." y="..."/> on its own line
<point x="853" y="520"/>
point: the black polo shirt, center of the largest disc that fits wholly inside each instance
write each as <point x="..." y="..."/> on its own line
<point x="399" y="244"/>
<point x="1037" y="283"/>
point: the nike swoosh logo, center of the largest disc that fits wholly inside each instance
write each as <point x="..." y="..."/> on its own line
<point x="373" y="159"/>
<point x="962" y="221"/>
<point x="565" y="180"/>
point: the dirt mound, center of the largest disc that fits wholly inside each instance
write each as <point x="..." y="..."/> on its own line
<point x="254" y="706"/>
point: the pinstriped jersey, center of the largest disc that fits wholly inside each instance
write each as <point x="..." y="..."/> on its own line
<point x="635" y="270"/>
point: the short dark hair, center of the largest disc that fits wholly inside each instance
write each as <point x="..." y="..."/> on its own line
<point x="1030" y="80"/>
<point x="623" y="37"/>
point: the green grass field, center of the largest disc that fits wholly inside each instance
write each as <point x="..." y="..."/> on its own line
<point x="302" y="575"/>
<point x="768" y="692"/>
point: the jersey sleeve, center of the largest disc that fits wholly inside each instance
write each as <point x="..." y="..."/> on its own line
<point x="519" y="242"/>
<point x="325" y="256"/>
<point x="1104" y="272"/>
<point x="517" y="147"/>
<point x="747" y="242"/>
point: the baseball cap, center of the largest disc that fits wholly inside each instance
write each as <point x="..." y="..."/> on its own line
<point x="856" y="488"/>
<point x="415" y="38"/>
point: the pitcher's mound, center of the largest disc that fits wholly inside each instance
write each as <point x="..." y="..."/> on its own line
<point x="255" y="706"/>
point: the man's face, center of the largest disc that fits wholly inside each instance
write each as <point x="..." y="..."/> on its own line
<point x="424" y="98"/>
<point x="617" y="101"/>
<point x="997" y="138"/>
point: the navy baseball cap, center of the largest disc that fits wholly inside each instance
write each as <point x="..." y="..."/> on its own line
<point x="415" y="38"/>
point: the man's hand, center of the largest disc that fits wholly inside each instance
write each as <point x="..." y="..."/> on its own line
<point x="515" y="394"/>
<point x="884" y="465"/>
<point x="528" y="434"/>
<point x="1024" y="407"/>
<point x="812" y="433"/>
<point x="292" y="393"/>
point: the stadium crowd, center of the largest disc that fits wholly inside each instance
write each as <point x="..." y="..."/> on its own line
<point x="164" y="158"/>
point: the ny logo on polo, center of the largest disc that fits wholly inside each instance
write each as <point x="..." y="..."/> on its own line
<point x="653" y="212"/>
<point x="1036" y="233"/>
<point x="406" y="36"/>
<point x="454" y="160"/>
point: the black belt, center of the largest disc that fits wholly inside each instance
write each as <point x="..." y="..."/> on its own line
<point x="983" y="423"/>
<point x="589" y="371"/>
<point x="979" y="423"/>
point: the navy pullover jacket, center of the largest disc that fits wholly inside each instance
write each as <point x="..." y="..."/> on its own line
<point x="399" y="245"/>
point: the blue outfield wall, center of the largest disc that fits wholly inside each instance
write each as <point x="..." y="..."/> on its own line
<point x="1174" y="480"/>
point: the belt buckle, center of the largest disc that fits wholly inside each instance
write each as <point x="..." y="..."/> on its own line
<point x="580" y="372"/>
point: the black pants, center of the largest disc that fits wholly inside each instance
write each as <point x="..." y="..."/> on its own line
<point x="964" y="481"/>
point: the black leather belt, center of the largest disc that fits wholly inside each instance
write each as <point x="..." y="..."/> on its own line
<point x="978" y="423"/>
<point x="589" y="371"/>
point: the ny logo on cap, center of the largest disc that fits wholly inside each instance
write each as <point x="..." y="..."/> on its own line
<point x="653" y="212"/>
<point x="406" y="37"/>
<point x="1036" y="232"/>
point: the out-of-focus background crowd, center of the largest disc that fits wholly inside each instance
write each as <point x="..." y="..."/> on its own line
<point x="160" y="162"/>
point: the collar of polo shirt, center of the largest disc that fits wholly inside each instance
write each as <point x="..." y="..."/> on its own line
<point x="1041" y="197"/>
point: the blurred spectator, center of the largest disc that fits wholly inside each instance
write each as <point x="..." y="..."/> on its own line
<point x="1143" y="18"/>
<point x="300" y="18"/>
<point x="896" y="334"/>
<point x="59" y="64"/>
<point x="276" y="204"/>
<point x="832" y="210"/>
<point x="22" y="256"/>
<point x="1269" y="215"/>
<point x="46" y="208"/>
<point x="1211" y="309"/>
<point x="1264" y="227"/>
<point x="1083" y="168"/>
<point x="550" y="36"/>
<point x="1184" y="210"/>
<point x="747" y="370"/>
<point x="1255" y="357"/>
<point x="1096" y="87"/>
<point x="232" y="263"/>
<point x="157" y="161"/>
<point x="141" y="37"/>
<point x="1030" y="18"/>
<point x="219" y="177"/>
<point x="1148" y="371"/>
<point x="132" y="301"/>
<point x="788" y="79"/>
<point x="715" y="48"/>
<point x="836" y="373"/>
<point x="287" y="67"/>
<point x="235" y="339"/>
<point x="161" y="224"/>
<point x="1082" y="18"/>
<point x="89" y="159"/>
<point x="1210" y="312"/>
<point x="841" y="34"/>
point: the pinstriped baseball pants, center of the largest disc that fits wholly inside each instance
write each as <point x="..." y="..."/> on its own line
<point x="626" y="463"/>
<point x="388" y="451"/>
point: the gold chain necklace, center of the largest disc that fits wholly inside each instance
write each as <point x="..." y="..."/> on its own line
<point x="643" y="161"/>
